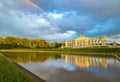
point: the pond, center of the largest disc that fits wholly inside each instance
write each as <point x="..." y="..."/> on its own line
<point x="64" y="67"/>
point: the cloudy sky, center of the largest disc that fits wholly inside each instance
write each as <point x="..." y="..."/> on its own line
<point x="60" y="20"/>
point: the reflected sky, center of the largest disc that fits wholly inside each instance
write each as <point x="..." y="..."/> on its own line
<point x="60" y="63"/>
<point x="58" y="67"/>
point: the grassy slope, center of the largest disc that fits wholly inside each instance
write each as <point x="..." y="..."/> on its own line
<point x="9" y="73"/>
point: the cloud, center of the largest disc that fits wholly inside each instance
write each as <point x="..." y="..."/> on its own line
<point x="71" y="20"/>
<point x="20" y="24"/>
<point x="63" y="19"/>
<point x="68" y="35"/>
<point x="114" y="38"/>
<point x="55" y="16"/>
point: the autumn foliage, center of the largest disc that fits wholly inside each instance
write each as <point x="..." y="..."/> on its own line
<point x="11" y="42"/>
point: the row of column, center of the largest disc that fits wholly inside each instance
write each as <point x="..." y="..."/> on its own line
<point x="85" y="43"/>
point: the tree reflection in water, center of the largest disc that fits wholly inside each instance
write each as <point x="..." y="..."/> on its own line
<point x="82" y="61"/>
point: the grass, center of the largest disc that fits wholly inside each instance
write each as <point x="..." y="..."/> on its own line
<point x="9" y="73"/>
<point x="94" y="49"/>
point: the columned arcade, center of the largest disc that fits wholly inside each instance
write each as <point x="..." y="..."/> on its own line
<point x="83" y="41"/>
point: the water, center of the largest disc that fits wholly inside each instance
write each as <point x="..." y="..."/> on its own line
<point x="59" y="67"/>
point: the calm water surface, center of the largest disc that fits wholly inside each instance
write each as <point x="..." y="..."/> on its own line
<point x="59" y="67"/>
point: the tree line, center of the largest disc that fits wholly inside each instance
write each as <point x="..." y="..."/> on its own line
<point x="11" y="42"/>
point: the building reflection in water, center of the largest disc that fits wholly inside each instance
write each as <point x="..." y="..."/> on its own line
<point x="82" y="61"/>
<point x="86" y="61"/>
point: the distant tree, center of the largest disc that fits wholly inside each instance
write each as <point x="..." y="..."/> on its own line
<point x="10" y="42"/>
<point x="1" y="40"/>
<point x="51" y="45"/>
<point x="39" y="43"/>
<point x="15" y="42"/>
<point x="26" y="43"/>
<point x="44" y="44"/>
<point x="57" y="45"/>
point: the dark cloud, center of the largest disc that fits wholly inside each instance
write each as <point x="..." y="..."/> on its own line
<point x="100" y="7"/>
<point x="63" y="19"/>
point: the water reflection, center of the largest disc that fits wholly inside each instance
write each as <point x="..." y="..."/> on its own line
<point x="58" y="67"/>
<point x="25" y="57"/>
<point x="60" y="63"/>
<point x="82" y="61"/>
<point x="85" y="61"/>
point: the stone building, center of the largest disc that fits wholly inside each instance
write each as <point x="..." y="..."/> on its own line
<point x="83" y="41"/>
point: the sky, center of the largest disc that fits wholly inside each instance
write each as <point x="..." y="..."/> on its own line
<point x="60" y="20"/>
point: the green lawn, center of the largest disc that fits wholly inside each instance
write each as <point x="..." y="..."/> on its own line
<point x="9" y="73"/>
<point x="90" y="49"/>
<point x="94" y="49"/>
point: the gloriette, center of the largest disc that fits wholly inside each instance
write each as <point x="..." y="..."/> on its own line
<point x="83" y="41"/>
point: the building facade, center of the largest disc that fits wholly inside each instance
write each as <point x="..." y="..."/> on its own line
<point x="83" y="41"/>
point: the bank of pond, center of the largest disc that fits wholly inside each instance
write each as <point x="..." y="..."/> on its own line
<point x="10" y="73"/>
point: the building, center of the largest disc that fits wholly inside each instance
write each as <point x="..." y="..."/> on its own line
<point x="83" y="41"/>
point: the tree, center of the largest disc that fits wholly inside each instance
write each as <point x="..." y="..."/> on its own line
<point x="51" y="45"/>
<point x="15" y="42"/>
<point x="57" y="45"/>
<point x="1" y="40"/>
<point x="10" y="42"/>
<point x="26" y="43"/>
